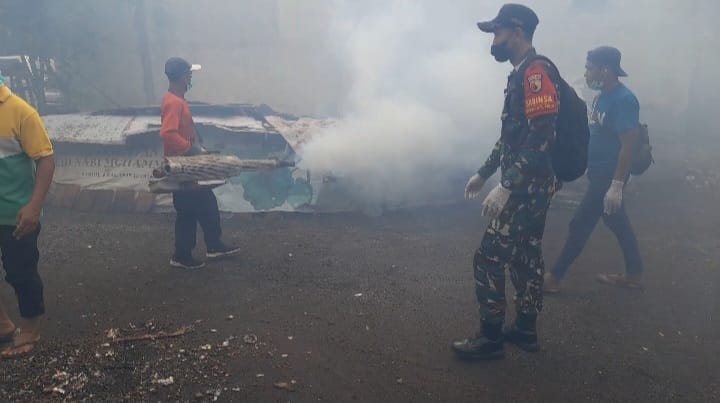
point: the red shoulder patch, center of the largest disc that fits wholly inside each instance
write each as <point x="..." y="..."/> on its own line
<point x="541" y="97"/>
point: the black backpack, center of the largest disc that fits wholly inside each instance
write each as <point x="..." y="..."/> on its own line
<point x="570" y="152"/>
<point x="643" y="159"/>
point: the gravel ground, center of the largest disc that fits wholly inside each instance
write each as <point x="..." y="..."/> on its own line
<point x="345" y="308"/>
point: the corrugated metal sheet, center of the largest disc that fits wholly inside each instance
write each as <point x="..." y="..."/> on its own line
<point x="11" y="63"/>
<point x="300" y="131"/>
<point x="96" y="129"/>
<point x="235" y="123"/>
<point x="114" y="127"/>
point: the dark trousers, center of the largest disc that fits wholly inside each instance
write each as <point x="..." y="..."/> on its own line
<point x="192" y="207"/>
<point x="586" y="217"/>
<point x="20" y="261"/>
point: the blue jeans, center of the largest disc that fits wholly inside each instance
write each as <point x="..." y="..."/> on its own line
<point x="586" y="217"/>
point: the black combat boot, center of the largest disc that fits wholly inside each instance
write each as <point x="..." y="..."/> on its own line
<point x="523" y="333"/>
<point x="485" y="345"/>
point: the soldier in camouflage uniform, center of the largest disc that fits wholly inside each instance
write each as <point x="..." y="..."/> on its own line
<point x="518" y="206"/>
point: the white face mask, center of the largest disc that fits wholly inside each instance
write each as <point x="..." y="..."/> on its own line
<point x="595" y="85"/>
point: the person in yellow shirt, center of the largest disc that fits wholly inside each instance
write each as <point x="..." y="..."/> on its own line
<point x="27" y="166"/>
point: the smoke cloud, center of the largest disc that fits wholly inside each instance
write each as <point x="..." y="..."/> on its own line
<point x="413" y="87"/>
<point x="423" y="106"/>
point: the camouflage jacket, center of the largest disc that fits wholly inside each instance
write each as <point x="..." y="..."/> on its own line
<point x="522" y="153"/>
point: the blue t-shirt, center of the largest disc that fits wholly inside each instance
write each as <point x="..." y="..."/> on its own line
<point x="612" y="113"/>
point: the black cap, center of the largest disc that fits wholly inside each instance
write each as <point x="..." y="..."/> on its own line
<point x="607" y="56"/>
<point x="512" y="16"/>
<point x="176" y="67"/>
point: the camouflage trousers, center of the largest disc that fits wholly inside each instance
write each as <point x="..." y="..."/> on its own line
<point x="512" y="242"/>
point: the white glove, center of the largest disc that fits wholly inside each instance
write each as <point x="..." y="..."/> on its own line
<point x="472" y="189"/>
<point x="613" y="197"/>
<point x="196" y="149"/>
<point x="495" y="202"/>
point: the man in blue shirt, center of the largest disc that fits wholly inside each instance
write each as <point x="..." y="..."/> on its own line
<point x="614" y="141"/>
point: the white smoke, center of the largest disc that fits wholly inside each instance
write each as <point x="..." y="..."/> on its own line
<point x="412" y="82"/>
<point x="425" y="96"/>
<point x="424" y="104"/>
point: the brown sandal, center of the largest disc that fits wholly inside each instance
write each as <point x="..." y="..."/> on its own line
<point x="551" y="285"/>
<point x="8" y="355"/>
<point x="619" y="280"/>
<point x="8" y="338"/>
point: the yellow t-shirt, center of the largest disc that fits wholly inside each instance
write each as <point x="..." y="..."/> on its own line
<point x="23" y="139"/>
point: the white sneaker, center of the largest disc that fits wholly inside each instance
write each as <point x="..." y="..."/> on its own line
<point x="190" y="263"/>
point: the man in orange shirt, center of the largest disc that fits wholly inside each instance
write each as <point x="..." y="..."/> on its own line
<point x="180" y="138"/>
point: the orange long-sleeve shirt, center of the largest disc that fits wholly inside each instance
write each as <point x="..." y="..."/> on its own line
<point x="178" y="130"/>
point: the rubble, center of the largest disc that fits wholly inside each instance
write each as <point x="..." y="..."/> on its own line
<point x="163" y="382"/>
<point x="706" y="178"/>
<point x="113" y="333"/>
<point x="148" y="336"/>
<point x="250" y="339"/>
<point x="283" y="386"/>
<point x="214" y="393"/>
<point x="64" y="382"/>
<point x="96" y="370"/>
